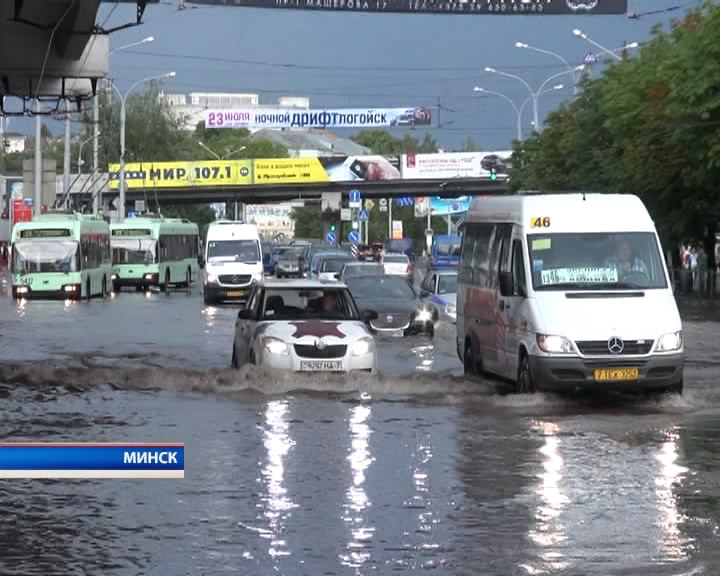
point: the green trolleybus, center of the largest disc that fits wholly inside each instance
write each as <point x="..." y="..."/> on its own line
<point x="61" y="255"/>
<point x="154" y="251"/>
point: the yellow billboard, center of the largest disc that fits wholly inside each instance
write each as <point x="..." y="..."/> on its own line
<point x="289" y="171"/>
<point x="182" y="174"/>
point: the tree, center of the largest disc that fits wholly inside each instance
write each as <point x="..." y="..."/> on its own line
<point x="382" y="142"/>
<point x="649" y="126"/>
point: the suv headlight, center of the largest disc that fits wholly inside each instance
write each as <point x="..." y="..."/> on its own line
<point x="669" y="342"/>
<point x="275" y="346"/>
<point x="257" y="277"/>
<point x="424" y="315"/>
<point x="212" y="279"/>
<point x="363" y="346"/>
<point x="554" y="344"/>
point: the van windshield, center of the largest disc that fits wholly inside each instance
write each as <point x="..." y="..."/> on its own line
<point x="596" y="261"/>
<point x="238" y="250"/>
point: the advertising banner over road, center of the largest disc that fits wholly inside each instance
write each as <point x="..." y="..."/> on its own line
<point x="441" y="206"/>
<point x="181" y="174"/>
<point x="316" y="118"/>
<point x="456" y="165"/>
<point x="499" y="7"/>
<point x="326" y="169"/>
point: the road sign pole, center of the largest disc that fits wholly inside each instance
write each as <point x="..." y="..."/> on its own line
<point x="389" y="218"/>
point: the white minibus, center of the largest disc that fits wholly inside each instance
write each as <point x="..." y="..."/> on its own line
<point x="562" y="292"/>
<point x="232" y="261"/>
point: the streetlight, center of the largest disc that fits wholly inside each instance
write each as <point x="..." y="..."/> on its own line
<point x="551" y="89"/>
<point x="80" y="161"/>
<point x="518" y="111"/>
<point x="554" y="55"/>
<point x="96" y="120"/>
<point x="581" y="34"/>
<point x="202" y="145"/>
<point x="534" y="95"/>
<point x="121" y="207"/>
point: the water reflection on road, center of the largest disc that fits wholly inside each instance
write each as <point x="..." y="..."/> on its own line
<point x="413" y="469"/>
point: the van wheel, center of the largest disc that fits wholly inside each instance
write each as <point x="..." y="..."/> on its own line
<point x="469" y="362"/>
<point x="674" y="389"/>
<point x="88" y="295"/>
<point x="105" y="292"/>
<point x="165" y="286"/>
<point x="234" y="361"/>
<point x="525" y="382"/>
<point x="188" y="278"/>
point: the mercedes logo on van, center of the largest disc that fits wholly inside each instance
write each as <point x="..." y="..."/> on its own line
<point x="616" y="345"/>
<point x="320" y="344"/>
<point x="389" y="319"/>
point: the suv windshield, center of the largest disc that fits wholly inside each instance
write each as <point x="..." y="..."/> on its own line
<point x="307" y="304"/>
<point x="595" y="261"/>
<point x="381" y="287"/>
<point x="447" y="284"/>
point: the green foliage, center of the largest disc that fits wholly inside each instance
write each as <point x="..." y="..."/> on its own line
<point x="382" y="142"/>
<point x="649" y="126"/>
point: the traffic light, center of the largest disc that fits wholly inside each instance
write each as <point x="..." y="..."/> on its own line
<point x="332" y="227"/>
<point x="493" y="174"/>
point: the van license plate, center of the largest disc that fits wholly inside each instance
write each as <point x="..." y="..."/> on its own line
<point x="616" y="374"/>
<point x="235" y="293"/>
<point x="316" y="365"/>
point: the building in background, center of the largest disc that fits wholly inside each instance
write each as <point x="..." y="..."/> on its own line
<point x="273" y="220"/>
<point x="13" y="142"/>
<point x="312" y="142"/>
<point x="191" y="107"/>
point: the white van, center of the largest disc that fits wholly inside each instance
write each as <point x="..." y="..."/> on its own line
<point x="232" y="261"/>
<point x="567" y="291"/>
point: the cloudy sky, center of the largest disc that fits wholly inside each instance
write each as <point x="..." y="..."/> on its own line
<point x="373" y="60"/>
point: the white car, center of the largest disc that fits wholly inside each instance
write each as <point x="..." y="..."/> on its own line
<point x="304" y="326"/>
<point x="397" y="264"/>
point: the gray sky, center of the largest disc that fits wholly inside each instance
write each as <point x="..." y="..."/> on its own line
<point x="373" y="60"/>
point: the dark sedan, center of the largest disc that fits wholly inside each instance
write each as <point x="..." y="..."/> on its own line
<point x="289" y="263"/>
<point x="399" y="308"/>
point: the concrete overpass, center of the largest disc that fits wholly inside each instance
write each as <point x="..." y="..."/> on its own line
<point x="53" y="49"/>
<point x="85" y="186"/>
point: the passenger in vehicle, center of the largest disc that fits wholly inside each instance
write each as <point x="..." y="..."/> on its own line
<point x="625" y="262"/>
<point x="274" y="306"/>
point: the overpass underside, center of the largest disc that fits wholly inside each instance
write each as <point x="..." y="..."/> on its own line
<point x="314" y="192"/>
<point x="52" y="50"/>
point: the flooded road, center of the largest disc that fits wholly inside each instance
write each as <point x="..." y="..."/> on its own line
<point x="414" y="469"/>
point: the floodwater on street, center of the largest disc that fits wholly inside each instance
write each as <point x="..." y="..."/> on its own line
<point x="413" y="469"/>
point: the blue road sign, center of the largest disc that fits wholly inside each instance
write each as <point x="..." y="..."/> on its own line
<point x="404" y="201"/>
<point x="354" y="237"/>
<point x="363" y="215"/>
<point x="354" y="195"/>
<point x="331" y="238"/>
<point x="132" y="214"/>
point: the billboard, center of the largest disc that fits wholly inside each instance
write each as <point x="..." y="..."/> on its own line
<point x="441" y="206"/>
<point x="455" y="165"/>
<point x="306" y="170"/>
<point x="488" y="7"/>
<point x="316" y="118"/>
<point x="181" y="174"/>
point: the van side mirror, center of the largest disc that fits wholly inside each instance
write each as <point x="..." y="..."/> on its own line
<point x="368" y="316"/>
<point x="245" y="314"/>
<point x="201" y="262"/>
<point x="506" y="283"/>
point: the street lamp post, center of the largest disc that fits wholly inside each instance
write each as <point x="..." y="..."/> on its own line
<point x="534" y="95"/>
<point x="96" y="121"/>
<point x="518" y="111"/>
<point x="202" y="145"/>
<point x="80" y="161"/>
<point x="581" y="34"/>
<point x="554" y="55"/>
<point x="123" y="98"/>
